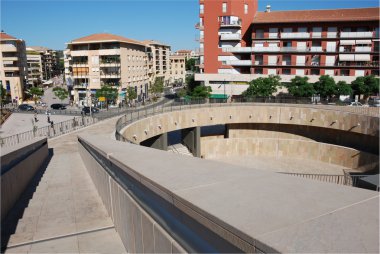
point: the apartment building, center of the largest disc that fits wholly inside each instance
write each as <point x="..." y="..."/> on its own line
<point x="342" y="43"/>
<point x="34" y="61"/>
<point x="13" y="66"/>
<point x="187" y="53"/>
<point x="106" y="59"/>
<point x="159" y="62"/>
<point x="177" y="69"/>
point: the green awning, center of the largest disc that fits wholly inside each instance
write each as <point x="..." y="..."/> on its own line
<point x="219" y="96"/>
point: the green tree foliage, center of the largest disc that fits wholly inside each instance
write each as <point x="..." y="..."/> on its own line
<point x="107" y="91"/>
<point x="300" y="87"/>
<point x="157" y="87"/>
<point x="367" y="85"/>
<point x="325" y="87"/>
<point x="181" y="92"/>
<point x="190" y="64"/>
<point x="61" y="93"/>
<point x="201" y="92"/>
<point x="191" y="84"/>
<point x="131" y="94"/>
<point x="35" y="92"/>
<point x="342" y="88"/>
<point x="263" y="87"/>
<point x="3" y="94"/>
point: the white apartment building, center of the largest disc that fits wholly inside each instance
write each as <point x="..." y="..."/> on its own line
<point x="177" y="69"/>
<point x="106" y="59"/>
<point x="13" y="66"/>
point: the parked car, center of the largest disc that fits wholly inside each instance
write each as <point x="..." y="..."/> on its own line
<point x="355" y="104"/>
<point x="374" y="101"/>
<point x="86" y="110"/>
<point x="25" y="107"/>
<point x="58" y="106"/>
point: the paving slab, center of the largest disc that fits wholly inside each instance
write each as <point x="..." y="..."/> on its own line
<point x="66" y="204"/>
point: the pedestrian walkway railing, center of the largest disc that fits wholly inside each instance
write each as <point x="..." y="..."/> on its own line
<point x="194" y="104"/>
<point x="67" y="126"/>
<point x="348" y="179"/>
<point x="48" y="131"/>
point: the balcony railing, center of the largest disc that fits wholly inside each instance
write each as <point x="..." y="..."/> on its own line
<point x="300" y="35"/>
<point x="199" y="26"/>
<point x="363" y="49"/>
<point x="229" y="37"/>
<point x="356" y="34"/>
<point x="231" y="23"/>
<point x="239" y="62"/>
<point x="237" y="49"/>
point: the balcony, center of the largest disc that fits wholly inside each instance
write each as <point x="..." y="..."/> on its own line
<point x="266" y="49"/>
<point x="316" y="49"/>
<point x="237" y="49"/>
<point x="301" y="35"/>
<point x="239" y="62"/>
<point x="199" y="26"/>
<point x="8" y="48"/>
<point x="363" y="49"/>
<point x="230" y="37"/>
<point x="10" y="58"/>
<point x="230" y="24"/>
<point x="356" y="34"/>
<point x="200" y="51"/>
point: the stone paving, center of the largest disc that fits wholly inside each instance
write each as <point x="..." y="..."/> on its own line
<point x="23" y="122"/>
<point x="66" y="214"/>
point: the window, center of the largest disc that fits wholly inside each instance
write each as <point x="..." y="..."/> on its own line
<point x="331" y="46"/>
<point x="245" y="8"/>
<point x="329" y="72"/>
<point x="317" y="32"/>
<point x="301" y="60"/>
<point x="359" y="73"/>
<point x="314" y="72"/>
<point x="345" y="73"/>
<point x="331" y="32"/>
<point x="258" y="71"/>
<point x="286" y="71"/>
<point x="273" y="32"/>
<point x="272" y="72"/>
<point x="259" y="33"/>
<point x="224" y="7"/>
<point x="330" y="60"/>
<point x="272" y="60"/>
<point x="300" y="72"/>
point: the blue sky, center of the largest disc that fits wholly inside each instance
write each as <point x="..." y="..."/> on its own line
<point x="52" y="23"/>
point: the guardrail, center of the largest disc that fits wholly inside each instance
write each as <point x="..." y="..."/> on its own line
<point x="65" y="126"/>
<point x="202" y="103"/>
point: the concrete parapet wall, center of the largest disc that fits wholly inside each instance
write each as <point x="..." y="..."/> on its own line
<point x="208" y="206"/>
<point x="333" y="119"/>
<point x="137" y="229"/>
<point x="19" y="164"/>
<point x="273" y="147"/>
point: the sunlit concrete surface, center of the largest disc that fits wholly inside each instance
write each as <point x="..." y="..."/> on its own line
<point x="65" y="213"/>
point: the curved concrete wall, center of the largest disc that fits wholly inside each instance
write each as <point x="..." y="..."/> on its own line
<point x="274" y="147"/>
<point x="318" y="117"/>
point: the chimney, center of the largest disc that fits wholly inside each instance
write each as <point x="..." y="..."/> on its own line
<point x="268" y="8"/>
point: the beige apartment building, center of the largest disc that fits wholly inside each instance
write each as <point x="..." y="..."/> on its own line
<point x="106" y="59"/>
<point x="177" y="69"/>
<point x="34" y="61"/>
<point x="13" y="66"/>
<point x="49" y="61"/>
<point x="159" y="62"/>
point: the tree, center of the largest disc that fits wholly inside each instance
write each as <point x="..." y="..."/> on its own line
<point x="35" y="92"/>
<point x="190" y="64"/>
<point x="108" y="92"/>
<point x="367" y="85"/>
<point x="201" y="92"/>
<point x="181" y="92"/>
<point x="191" y="83"/>
<point x="3" y="94"/>
<point x="300" y="87"/>
<point x="342" y="88"/>
<point x="325" y="87"/>
<point x="131" y="94"/>
<point x="61" y="93"/>
<point x="263" y="87"/>
<point x="157" y="87"/>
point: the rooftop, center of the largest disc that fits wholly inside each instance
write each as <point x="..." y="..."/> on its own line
<point x="153" y="42"/>
<point x="5" y="36"/>
<point x="104" y="37"/>
<point x="359" y="14"/>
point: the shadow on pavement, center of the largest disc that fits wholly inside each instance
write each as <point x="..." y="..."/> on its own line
<point x="9" y="224"/>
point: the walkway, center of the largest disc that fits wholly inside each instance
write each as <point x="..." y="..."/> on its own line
<point x="66" y="214"/>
